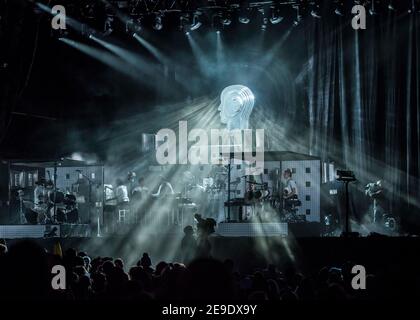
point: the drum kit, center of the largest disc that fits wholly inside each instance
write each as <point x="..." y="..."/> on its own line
<point x="50" y="205"/>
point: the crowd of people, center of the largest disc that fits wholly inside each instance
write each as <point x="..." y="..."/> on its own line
<point x="25" y="272"/>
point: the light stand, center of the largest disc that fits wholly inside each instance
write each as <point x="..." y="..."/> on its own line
<point x="347" y="177"/>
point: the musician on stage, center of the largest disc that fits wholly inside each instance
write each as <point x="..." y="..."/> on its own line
<point x="40" y="194"/>
<point x="290" y="192"/>
<point x="131" y="180"/>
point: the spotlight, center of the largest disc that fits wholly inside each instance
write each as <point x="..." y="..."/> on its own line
<point x="226" y="20"/>
<point x="315" y="12"/>
<point x="217" y="22"/>
<point x="158" y="25"/>
<point x="391" y="6"/>
<point x="372" y="10"/>
<point x="133" y="26"/>
<point x="298" y="18"/>
<point x="184" y="21"/>
<point x="196" y="23"/>
<point x="275" y="16"/>
<point x="339" y="10"/>
<point x="413" y="7"/>
<point x="244" y="16"/>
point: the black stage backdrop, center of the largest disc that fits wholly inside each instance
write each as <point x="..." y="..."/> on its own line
<point x="348" y="96"/>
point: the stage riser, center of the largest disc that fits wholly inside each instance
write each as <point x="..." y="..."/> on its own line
<point x="42" y="231"/>
<point x="252" y="229"/>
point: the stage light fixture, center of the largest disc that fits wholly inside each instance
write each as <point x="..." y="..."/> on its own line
<point x="315" y="11"/>
<point x="217" y="22"/>
<point x="196" y="23"/>
<point x="298" y="18"/>
<point x="226" y="19"/>
<point x="413" y="7"/>
<point x="244" y="16"/>
<point x="372" y="10"/>
<point x="275" y="16"/>
<point x="339" y="9"/>
<point x="133" y="26"/>
<point x="158" y="25"/>
<point x="391" y="6"/>
<point x="184" y="22"/>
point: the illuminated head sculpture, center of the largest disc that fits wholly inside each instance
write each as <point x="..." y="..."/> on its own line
<point x="236" y="104"/>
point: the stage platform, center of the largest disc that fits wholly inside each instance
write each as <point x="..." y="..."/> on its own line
<point x="224" y="229"/>
<point x="232" y="229"/>
<point x="19" y="231"/>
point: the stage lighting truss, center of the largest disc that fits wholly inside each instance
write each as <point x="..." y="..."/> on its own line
<point x="106" y="16"/>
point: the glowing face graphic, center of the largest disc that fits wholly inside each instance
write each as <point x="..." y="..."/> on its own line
<point x="236" y="103"/>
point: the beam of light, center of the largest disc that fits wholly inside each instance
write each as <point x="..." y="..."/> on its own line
<point x="131" y="58"/>
<point x="105" y="57"/>
<point x="271" y="55"/>
<point x="203" y="62"/>
<point x="152" y="49"/>
<point x="219" y="51"/>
